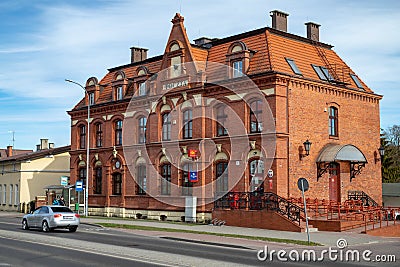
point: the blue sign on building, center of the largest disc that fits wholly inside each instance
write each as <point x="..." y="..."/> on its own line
<point x="79" y="186"/>
<point x="193" y="177"/>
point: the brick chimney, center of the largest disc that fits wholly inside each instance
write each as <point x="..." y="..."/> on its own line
<point x="44" y="144"/>
<point x="9" y="151"/>
<point x="279" y="20"/>
<point x="138" y="54"/>
<point x="312" y="31"/>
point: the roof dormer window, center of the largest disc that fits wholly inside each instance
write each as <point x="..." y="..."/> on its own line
<point x="91" y="98"/>
<point x="293" y="66"/>
<point x="238" y="59"/>
<point x="119" y="93"/>
<point x="357" y="81"/>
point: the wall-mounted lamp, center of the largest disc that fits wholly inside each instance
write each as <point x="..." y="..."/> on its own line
<point x="381" y="151"/>
<point x="307" y="146"/>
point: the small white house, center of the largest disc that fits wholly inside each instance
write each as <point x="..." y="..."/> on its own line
<point x="24" y="176"/>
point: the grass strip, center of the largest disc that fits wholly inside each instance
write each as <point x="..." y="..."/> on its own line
<point x="172" y="230"/>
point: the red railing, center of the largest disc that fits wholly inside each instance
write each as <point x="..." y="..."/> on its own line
<point x="350" y="210"/>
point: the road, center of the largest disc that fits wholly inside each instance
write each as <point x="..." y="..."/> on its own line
<point x="95" y="246"/>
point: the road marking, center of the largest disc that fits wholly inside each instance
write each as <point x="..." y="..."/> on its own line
<point x="94" y="252"/>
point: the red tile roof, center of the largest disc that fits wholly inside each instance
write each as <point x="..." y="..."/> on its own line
<point x="269" y="48"/>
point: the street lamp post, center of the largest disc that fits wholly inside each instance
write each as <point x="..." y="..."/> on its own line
<point x="87" y="148"/>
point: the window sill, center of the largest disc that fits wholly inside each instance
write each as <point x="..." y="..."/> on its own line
<point x="334" y="137"/>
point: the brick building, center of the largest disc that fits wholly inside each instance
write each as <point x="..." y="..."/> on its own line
<point x="146" y="116"/>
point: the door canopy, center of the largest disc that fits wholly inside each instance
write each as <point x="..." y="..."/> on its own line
<point x="334" y="153"/>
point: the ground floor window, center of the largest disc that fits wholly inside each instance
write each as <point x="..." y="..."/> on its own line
<point x="141" y="180"/>
<point x="187" y="185"/>
<point x="221" y="178"/>
<point x="116" y="184"/>
<point x="256" y="167"/>
<point x="166" y="179"/>
<point x="98" y="179"/>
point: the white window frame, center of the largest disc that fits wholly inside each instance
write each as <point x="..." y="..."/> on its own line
<point x="142" y="89"/>
<point x="237" y="67"/>
<point x="91" y="98"/>
<point x="5" y="194"/>
<point x="11" y="195"/>
<point x="16" y="194"/>
<point x="119" y="95"/>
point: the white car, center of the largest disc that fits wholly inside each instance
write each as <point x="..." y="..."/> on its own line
<point x="48" y="218"/>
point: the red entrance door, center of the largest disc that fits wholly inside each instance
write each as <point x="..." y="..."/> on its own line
<point x="334" y="182"/>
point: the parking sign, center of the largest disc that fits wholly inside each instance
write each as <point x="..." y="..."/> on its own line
<point x="193" y="177"/>
<point x="79" y="186"/>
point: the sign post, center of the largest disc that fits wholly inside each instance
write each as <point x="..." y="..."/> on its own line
<point x="79" y="189"/>
<point x="303" y="185"/>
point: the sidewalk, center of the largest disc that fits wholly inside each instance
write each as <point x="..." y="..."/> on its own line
<point x="325" y="238"/>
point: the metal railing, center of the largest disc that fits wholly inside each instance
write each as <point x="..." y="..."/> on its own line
<point x="260" y="201"/>
<point x="361" y="195"/>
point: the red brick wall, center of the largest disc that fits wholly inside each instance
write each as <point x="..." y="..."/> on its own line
<point x="358" y="125"/>
<point x="256" y="219"/>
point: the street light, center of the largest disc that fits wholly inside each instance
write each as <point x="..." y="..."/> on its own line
<point x="87" y="148"/>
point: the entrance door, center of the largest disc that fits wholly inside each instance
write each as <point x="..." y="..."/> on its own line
<point x="334" y="182"/>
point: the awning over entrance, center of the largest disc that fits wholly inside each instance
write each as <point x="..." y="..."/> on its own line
<point x="335" y="153"/>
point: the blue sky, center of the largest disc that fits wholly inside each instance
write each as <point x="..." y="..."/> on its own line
<point x="44" y="42"/>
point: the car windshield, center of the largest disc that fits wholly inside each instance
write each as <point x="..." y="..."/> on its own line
<point x="61" y="209"/>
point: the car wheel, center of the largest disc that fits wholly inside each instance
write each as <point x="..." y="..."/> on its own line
<point x="45" y="227"/>
<point x="73" y="229"/>
<point x="25" y="225"/>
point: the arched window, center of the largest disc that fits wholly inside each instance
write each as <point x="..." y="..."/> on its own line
<point x="166" y="179"/>
<point x="256" y="167"/>
<point x="98" y="181"/>
<point x="174" y="47"/>
<point x="116" y="183"/>
<point x="141" y="179"/>
<point x="333" y="122"/>
<point x="99" y="134"/>
<point x="166" y="127"/>
<point x="118" y="132"/>
<point x="187" y="186"/>
<point x="221" y="118"/>
<point x="222" y="178"/>
<point x="82" y="136"/>
<point x="187" y="124"/>
<point x="142" y="130"/>
<point x="256" y="125"/>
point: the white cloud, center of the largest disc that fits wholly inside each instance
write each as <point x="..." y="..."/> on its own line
<point x="76" y="42"/>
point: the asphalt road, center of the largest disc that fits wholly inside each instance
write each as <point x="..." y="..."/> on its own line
<point x="95" y="246"/>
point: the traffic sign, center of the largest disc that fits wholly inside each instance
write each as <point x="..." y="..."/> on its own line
<point x="270" y="173"/>
<point x="64" y="180"/>
<point x="302" y="184"/>
<point x="79" y="186"/>
<point x="193" y="176"/>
